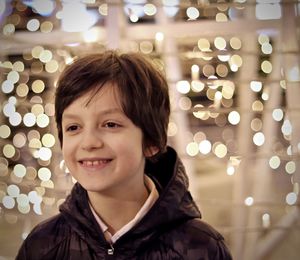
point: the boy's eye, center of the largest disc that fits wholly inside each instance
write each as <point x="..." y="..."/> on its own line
<point x="72" y="128"/>
<point x="111" y="125"/>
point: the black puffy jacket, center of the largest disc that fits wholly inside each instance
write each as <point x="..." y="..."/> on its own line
<point x="171" y="230"/>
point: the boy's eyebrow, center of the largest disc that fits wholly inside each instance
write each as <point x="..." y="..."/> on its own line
<point x="103" y="112"/>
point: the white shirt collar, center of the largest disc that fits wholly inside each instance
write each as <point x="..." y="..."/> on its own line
<point x="153" y="196"/>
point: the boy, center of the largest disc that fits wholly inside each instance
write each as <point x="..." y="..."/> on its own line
<point x="131" y="199"/>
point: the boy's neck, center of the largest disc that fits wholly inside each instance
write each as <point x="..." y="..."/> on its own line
<point x="116" y="211"/>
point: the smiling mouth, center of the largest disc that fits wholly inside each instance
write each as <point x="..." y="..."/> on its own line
<point x="94" y="163"/>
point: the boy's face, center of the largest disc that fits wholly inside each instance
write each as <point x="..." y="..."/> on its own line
<point x="102" y="148"/>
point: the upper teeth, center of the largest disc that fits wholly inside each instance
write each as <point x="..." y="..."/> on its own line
<point x="94" y="163"/>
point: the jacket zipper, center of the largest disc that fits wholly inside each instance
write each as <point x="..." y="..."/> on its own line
<point x="111" y="250"/>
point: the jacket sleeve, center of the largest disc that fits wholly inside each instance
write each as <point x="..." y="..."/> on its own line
<point x="22" y="253"/>
<point x="222" y="252"/>
<point x="204" y="242"/>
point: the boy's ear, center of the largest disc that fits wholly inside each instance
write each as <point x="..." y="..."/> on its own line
<point x="151" y="151"/>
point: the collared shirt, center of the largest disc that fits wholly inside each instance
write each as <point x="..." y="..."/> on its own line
<point x="153" y="196"/>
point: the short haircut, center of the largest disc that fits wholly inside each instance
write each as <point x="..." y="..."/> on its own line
<point x="142" y="88"/>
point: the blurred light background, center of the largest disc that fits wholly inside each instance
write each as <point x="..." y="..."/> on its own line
<point x="234" y="77"/>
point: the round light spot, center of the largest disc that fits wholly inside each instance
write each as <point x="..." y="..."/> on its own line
<point x="45" y="56"/>
<point x="183" y="86"/>
<point x="38" y="86"/>
<point x="15" y="119"/>
<point x="19" y="170"/>
<point x="266" y="66"/>
<point x="37" y="208"/>
<point x="22" y="90"/>
<point x="185" y="103"/>
<point x="103" y="9"/>
<point x="19" y="140"/>
<point x="197" y="85"/>
<point x="150" y="9"/>
<point x="277" y="114"/>
<point x="249" y="201"/>
<point x="221" y="17"/>
<point x="222" y="70"/>
<point x="133" y="18"/>
<point x="46" y="27"/>
<point x="9" y="109"/>
<point x="51" y="66"/>
<point x="44" y="174"/>
<point x="230" y="170"/>
<point x="8" y="202"/>
<point x="4" y="131"/>
<point x="192" y="13"/>
<point x="31" y="173"/>
<point x="37" y="109"/>
<point x="234" y="117"/>
<point x="47" y="184"/>
<point x="23" y="200"/>
<point x="45" y="153"/>
<point x="265" y="95"/>
<point x="24" y="209"/>
<point x="291" y="198"/>
<point x="256" y="124"/>
<point x="257" y="105"/>
<point x="48" y="140"/>
<point x="220" y="150"/>
<point x="13" y="190"/>
<point x="263" y="38"/>
<point x="235" y="43"/>
<point x="286" y="128"/>
<point x="35" y="143"/>
<point x="172" y="129"/>
<point x="29" y="119"/>
<point x="34" y="197"/>
<point x="199" y="137"/>
<point x="7" y="65"/>
<point x="42" y="120"/>
<point x="9" y="151"/>
<point x="36" y="51"/>
<point x="256" y="86"/>
<point x="208" y="71"/>
<point x="290" y="167"/>
<point x="199" y="113"/>
<point x="159" y="36"/>
<point x="266" y="48"/>
<point x="13" y="77"/>
<point x="228" y="91"/>
<point x="203" y="44"/>
<point x="259" y="139"/>
<point x="220" y="43"/>
<point x="205" y="147"/>
<point x="266" y="220"/>
<point x="192" y="149"/>
<point x="8" y="29"/>
<point x="33" y="25"/>
<point x="12" y="100"/>
<point x="7" y="86"/>
<point x="236" y="60"/>
<point x="18" y="66"/>
<point x="274" y="162"/>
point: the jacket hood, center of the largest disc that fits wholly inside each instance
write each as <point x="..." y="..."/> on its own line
<point x="174" y="205"/>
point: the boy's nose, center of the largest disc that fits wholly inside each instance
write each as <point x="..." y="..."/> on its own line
<point x="91" y="141"/>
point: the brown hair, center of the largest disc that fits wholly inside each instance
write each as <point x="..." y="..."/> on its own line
<point x="142" y="88"/>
